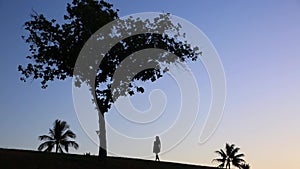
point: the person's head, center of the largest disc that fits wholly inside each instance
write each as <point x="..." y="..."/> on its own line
<point x="157" y="138"/>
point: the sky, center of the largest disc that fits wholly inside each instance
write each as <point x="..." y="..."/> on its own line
<point x="258" y="44"/>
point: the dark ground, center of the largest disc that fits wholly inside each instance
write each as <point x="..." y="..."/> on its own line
<point x="24" y="159"/>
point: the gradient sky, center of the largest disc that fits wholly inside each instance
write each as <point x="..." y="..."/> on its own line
<point x="258" y="43"/>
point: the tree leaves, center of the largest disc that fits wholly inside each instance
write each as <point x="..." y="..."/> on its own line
<point x="55" y="47"/>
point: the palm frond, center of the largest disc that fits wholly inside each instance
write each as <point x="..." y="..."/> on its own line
<point x="74" y="144"/>
<point x="68" y="144"/>
<point x="45" y="137"/>
<point x="239" y="155"/>
<point x="229" y="148"/>
<point x="244" y="166"/>
<point x="67" y="134"/>
<point x="234" y="151"/>
<point x="48" y="144"/>
<point x="61" y="125"/>
<point x="221" y="153"/>
<point x="49" y="148"/>
<point x="221" y="165"/>
<point x="219" y="160"/>
<point x="51" y="133"/>
<point x="237" y="161"/>
<point x="66" y="147"/>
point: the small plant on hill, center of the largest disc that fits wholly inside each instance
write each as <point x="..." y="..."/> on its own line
<point x="59" y="137"/>
<point x="229" y="157"/>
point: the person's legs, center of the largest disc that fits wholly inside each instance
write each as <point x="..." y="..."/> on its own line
<point x="157" y="158"/>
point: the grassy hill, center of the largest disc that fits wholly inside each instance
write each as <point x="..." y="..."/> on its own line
<point x="24" y="159"/>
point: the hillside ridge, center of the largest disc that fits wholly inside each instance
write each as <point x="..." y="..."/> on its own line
<point x="28" y="159"/>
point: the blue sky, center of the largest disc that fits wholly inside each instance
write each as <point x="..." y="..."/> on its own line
<point x="258" y="43"/>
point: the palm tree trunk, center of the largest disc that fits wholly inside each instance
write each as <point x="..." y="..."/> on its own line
<point x="56" y="148"/>
<point x="102" y="136"/>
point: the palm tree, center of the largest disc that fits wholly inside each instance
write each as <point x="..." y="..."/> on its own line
<point x="245" y="166"/>
<point x="58" y="137"/>
<point x="229" y="157"/>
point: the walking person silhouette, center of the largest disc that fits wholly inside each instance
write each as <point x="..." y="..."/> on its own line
<point x="156" y="148"/>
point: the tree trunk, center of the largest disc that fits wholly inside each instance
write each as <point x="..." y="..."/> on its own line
<point x="102" y="137"/>
<point x="56" y="148"/>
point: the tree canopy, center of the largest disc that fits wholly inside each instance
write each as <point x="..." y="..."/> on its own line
<point x="55" y="47"/>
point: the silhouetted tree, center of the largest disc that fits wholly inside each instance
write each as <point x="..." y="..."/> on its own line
<point x="55" y="48"/>
<point x="229" y="157"/>
<point x="58" y="137"/>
